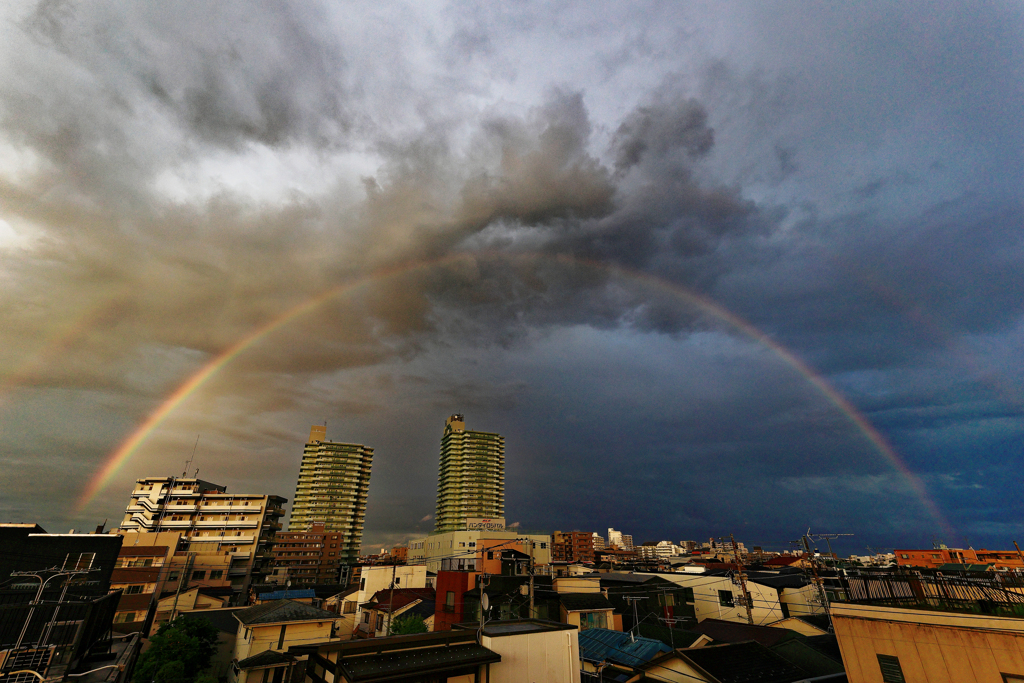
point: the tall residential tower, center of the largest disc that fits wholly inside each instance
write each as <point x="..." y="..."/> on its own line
<point x="334" y="480"/>
<point x="471" y="477"/>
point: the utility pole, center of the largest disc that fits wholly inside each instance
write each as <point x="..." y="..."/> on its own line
<point x="818" y="580"/>
<point x="391" y="599"/>
<point x="531" y="578"/>
<point x="742" y="577"/>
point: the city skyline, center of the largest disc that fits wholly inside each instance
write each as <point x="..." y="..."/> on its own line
<point x="707" y="268"/>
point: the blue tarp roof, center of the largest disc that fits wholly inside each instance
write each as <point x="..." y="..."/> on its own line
<point x="601" y="644"/>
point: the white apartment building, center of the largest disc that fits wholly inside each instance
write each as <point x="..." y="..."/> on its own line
<point x="232" y="533"/>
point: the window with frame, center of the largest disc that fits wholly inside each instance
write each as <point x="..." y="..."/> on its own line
<point x="135" y="588"/>
<point x="892" y="672"/>
<point x="217" y="574"/>
<point x="725" y="599"/>
<point x="199" y="575"/>
<point x="380" y="622"/>
<point x="366" y="617"/>
<point x="349" y="607"/>
<point x="687" y="594"/>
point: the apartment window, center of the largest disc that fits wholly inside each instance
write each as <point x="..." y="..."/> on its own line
<point x="543" y="546"/>
<point x="217" y="574"/>
<point x="892" y="672"/>
<point x="124" y="617"/>
<point x="362" y="584"/>
<point x="136" y="588"/>
<point x="688" y="595"/>
<point x="380" y="622"/>
<point x="725" y="599"/>
<point x="172" y="576"/>
<point x="199" y="575"/>
<point x="490" y="554"/>
<point x="449" y="602"/>
<point x="904" y="556"/>
<point x="349" y="607"/>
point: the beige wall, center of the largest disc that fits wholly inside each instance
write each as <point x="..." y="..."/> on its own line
<point x="932" y="647"/>
<point x="550" y="656"/>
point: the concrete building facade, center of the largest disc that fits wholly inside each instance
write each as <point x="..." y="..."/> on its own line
<point x="334" y="481"/>
<point x="226" y="539"/>
<point x="471" y="476"/>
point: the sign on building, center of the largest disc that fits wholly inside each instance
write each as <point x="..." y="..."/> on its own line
<point x="485" y="524"/>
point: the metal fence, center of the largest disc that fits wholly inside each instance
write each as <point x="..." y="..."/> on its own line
<point x="996" y="595"/>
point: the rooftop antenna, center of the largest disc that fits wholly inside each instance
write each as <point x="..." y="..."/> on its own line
<point x="188" y="463"/>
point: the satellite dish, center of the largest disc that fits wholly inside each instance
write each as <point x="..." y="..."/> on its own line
<point x="485" y="601"/>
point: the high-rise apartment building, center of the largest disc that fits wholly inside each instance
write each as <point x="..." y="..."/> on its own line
<point x="471" y="476"/>
<point x="334" y="480"/>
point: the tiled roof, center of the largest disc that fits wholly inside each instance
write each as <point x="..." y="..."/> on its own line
<point x="265" y="658"/>
<point x="414" y="662"/>
<point x="601" y="644"/>
<point x="583" y="602"/>
<point x="747" y="662"/>
<point x="290" y="594"/>
<point x="732" y="632"/>
<point x="282" y="611"/>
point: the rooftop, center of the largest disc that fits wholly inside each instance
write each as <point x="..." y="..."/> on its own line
<point x="280" y="611"/>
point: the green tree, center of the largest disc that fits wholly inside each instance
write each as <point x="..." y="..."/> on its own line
<point x="410" y="623"/>
<point x="178" y="652"/>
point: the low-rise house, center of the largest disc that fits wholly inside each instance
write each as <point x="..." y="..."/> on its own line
<point x="583" y="604"/>
<point x="373" y="579"/>
<point x="935" y="629"/>
<point x="499" y="652"/>
<point x="345" y="606"/>
<point x="172" y="604"/>
<point x="265" y="632"/>
<point x="731" y="663"/>
<point x="388" y="606"/>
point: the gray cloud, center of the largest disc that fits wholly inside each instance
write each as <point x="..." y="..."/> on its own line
<point x="505" y="205"/>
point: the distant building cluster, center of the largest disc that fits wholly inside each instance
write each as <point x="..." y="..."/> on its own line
<point x="479" y="599"/>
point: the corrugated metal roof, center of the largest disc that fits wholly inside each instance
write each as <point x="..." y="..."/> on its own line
<point x="602" y="644"/>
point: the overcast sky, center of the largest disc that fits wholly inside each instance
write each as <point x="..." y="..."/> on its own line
<point x="619" y="234"/>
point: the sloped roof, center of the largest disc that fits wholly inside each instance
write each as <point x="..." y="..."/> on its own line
<point x="383" y="600"/>
<point x="223" y="619"/>
<point x="412" y="662"/>
<point x="583" y="602"/>
<point x="680" y="637"/>
<point x="818" y="656"/>
<point x="778" y="581"/>
<point x="723" y="631"/>
<point x="745" y="662"/>
<point x="601" y="644"/>
<point x="265" y="658"/>
<point x="290" y="593"/>
<point x="283" y="611"/>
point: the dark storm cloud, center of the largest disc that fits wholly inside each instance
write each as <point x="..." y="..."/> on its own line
<point x="185" y="175"/>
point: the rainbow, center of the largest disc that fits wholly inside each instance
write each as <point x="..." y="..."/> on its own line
<point x="124" y="452"/>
